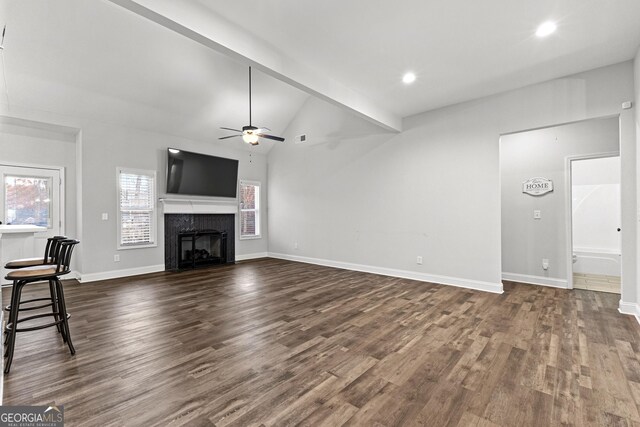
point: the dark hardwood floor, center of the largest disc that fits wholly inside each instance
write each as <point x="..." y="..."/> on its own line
<point x="272" y="342"/>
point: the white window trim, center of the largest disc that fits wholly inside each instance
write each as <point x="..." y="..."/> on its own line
<point x="61" y="209"/>
<point x="154" y="216"/>
<point x="258" y="211"/>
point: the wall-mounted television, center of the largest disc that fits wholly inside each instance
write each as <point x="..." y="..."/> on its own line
<point x="201" y="175"/>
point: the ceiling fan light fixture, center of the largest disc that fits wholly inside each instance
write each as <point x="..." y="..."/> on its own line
<point x="251" y="134"/>
<point x="250" y="137"/>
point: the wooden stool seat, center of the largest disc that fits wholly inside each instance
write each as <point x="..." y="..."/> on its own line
<point x="49" y="257"/>
<point x="28" y="262"/>
<point x="32" y="272"/>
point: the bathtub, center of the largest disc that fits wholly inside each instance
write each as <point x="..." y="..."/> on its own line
<point x="594" y="262"/>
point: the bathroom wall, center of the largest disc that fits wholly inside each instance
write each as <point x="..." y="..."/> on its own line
<point x="596" y="205"/>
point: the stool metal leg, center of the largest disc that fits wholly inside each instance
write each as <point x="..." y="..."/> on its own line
<point x="12" y="304"/>
<point x="54" y="303"/>
<point x="63" y="315"/>
<point x="17" y="290"/>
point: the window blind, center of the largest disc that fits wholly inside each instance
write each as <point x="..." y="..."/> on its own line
<point x="137" y="208"/>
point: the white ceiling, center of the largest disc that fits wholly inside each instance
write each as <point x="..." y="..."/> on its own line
<point x="110" y="64"/>
<point x="459" y="49"/>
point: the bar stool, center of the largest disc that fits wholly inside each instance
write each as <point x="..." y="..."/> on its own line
<point x="24" y="276"/>
<point x="49" y="257"/>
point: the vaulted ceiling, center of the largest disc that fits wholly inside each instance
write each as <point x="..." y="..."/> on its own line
<point x="93" y="59"/>
<point x="180" y="67"/>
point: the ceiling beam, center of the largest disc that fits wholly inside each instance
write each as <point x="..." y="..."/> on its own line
<point x="209" y="29"/>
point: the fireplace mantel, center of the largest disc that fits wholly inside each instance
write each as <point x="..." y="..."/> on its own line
<point x="199" y="206"/>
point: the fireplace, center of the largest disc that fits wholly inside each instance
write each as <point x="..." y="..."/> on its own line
<point x="197" y="248"/>
<point x="197" y="240"/>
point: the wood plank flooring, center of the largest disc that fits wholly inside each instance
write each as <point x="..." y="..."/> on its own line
<point x="275" y="343"/>
<point x="597" y="282"/>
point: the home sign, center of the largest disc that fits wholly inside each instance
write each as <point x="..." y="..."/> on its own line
<point x="537" y="186"/>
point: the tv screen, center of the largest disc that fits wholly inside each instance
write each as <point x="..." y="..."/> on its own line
<point x="201" y="175"/>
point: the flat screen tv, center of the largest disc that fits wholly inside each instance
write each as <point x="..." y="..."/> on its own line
<point x="201" y="175"/>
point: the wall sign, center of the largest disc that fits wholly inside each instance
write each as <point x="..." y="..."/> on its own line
<point x="537" y="186"/>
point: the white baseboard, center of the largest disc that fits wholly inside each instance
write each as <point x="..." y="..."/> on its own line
<point x="536" y="280"/>
<point x="423" y="277"/>
<point x="251" y="256"/>
<point x="115" y="274"/>
<point x="630" y="308"/>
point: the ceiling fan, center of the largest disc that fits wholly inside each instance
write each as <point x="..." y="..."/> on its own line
<point x="251" y="134"/>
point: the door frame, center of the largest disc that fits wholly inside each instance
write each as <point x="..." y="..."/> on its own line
<point x="569" y="208"/>
<point x="61" y="171"/>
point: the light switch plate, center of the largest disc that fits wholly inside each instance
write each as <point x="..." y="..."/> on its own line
<point x="537" y="214"/>
<point x="105" y="216"/>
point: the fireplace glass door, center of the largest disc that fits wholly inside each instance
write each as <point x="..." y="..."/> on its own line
<point x="201" y="248"/>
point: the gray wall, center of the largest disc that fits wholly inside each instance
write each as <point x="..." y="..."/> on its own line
<point x="542" y="153"/>
<point x="432" y="190"/>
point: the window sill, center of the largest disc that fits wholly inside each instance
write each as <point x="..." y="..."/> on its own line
<point x="250" y="237"/>
<point x="124" y="248"/>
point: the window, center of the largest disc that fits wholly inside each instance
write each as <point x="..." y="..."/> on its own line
<point x="32" y="195"/>
<point x="137" y="208"/>
<point x="249" y="210"/>
<point x="27" y="200"/>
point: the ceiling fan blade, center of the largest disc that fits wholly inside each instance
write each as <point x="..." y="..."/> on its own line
<point x="262" y="130"/>
<point x="235" y="130"/>
<point x="275" y="138"/>
<point x="230" y="136"/>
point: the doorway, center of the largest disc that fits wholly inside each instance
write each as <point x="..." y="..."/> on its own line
<point x="595" y="223"/>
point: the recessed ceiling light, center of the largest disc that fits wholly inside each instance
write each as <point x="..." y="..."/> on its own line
<point x="545" y="29"/>
<point x="409" y="78"/>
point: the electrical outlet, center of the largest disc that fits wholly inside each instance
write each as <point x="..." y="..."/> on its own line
<point x="295" y="245"/>
<point x="116" y="258"/>
<point x="545" y="264"/>
<point x="105" y="216"/>
<point x="419" y="260"/>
